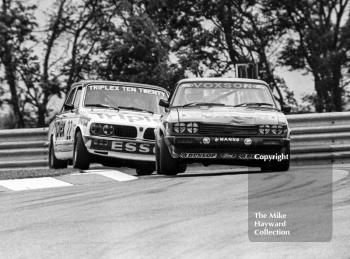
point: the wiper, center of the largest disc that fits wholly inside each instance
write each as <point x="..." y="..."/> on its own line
<point x="134" y="109"/>
<point x="203" y="104"/>
<point x="102" y="106"/>
<point x="257" y="104"/>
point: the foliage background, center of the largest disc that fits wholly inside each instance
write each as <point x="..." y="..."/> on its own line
<point x="160" y="42"/>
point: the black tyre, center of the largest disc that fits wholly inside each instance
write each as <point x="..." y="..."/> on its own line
<point x="278" y="166"/>
<point x="157" y="150"/>
<point x="145" y="169"/>
<point x="55" y="163"/>
<point x="81" y="157"/>
<point x="275" y="166"/>
<point x="165" y="163"/>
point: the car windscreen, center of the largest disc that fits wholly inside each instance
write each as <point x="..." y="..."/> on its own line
<point x="124" y="97"/>
<point x="222" y="93"/>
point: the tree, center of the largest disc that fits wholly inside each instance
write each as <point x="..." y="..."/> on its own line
<point x="216" y="35"/>
<point x="320" y="45"/>
<point x="16" y="25"/>
<point x="123" y="43"/>
<point x="36" y="74"/>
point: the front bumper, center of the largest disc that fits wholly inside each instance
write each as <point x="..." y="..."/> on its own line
<point x="217" y="148"/>
<point x="124" y="149"/>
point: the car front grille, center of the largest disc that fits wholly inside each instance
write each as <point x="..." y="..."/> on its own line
<point x="227" y="130"/>
<point x="125" y="131"/>
<point x="149" y="134"/>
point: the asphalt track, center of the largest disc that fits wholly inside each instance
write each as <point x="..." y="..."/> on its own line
<point x="200" y="214"/>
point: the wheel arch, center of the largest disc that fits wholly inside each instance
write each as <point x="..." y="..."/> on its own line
<point x="77" y="129"/>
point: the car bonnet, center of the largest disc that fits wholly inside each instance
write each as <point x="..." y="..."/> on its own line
<point x="228" y="115"/>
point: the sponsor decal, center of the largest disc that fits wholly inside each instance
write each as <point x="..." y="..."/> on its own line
<point x="129" y="118"/>
<point x="123" y="146"/>
<point x="206" y="140"/>
<point x="199" y="155"/>
<point x="238" y="156"/>
<point x="247" y="156"/>
<point x="226" y="140"/>
<point x="125" y="89"/>
<point x="69" y="130"/>
<point x="84" y="121"/>
<point x="248" y="141"/>
<point x="63" y="129"/>
<point x="228" y="156"/>
<point x="227" y="85"/>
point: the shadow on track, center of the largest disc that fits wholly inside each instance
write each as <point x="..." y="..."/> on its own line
<point x="221" y="173"/>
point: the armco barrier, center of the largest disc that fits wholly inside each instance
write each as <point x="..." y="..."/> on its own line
<point x="316" y="138"/>
<point x="320" y="137"/>
<point x="23" y="148"/>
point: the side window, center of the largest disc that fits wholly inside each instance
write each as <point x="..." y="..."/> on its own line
<point x="77" y="98"/>
<point x="70" y="98"/>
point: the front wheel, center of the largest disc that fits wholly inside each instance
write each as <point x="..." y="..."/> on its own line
<point x="145" y="169"/>
<point x="55" y="163"/>
<point x="165" y="164"/>
<point x="275" y="166"/>
<point x="81" y="157"/>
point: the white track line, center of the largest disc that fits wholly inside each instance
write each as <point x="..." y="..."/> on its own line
<point x="33" y="183"/>
<point x="113" y="174"/>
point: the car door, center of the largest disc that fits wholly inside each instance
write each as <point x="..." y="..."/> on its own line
<point x="63" y="124"/>
<point x="71" y="120"/>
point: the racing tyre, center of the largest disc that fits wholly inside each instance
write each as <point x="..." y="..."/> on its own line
<point x="81" y="158"/>
<point x="165" y="163"/>
<point x="55" y="163"/>
<point x="275" y="166"/>
<point x="145" y="169"/>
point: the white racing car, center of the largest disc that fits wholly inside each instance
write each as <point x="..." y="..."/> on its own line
<point x="107" y="122"/>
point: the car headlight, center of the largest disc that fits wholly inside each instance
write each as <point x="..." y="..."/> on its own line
<point x="276" y="130"/>
<point x="96" y="129"/>
<point x="179" y="127"/>
<point x="273" y="129"/>
<point x="108" y="129"/>
<point x="264" y="129"/>
<point x="192" y="127"/>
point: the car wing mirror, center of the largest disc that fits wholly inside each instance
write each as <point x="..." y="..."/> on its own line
<point x="286" y="108"/>
<point x="164" y="103"/>
<point x="68" y="106"/>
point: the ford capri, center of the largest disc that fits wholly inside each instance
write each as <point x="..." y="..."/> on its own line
<point x="231" y="121"/>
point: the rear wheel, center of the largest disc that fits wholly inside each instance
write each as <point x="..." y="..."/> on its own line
<point x="165" y="163"/>
<point x="81" y="157"/>
<point x="55" y="163"/>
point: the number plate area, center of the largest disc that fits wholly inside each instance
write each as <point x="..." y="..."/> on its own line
<point x="123" y="146"/>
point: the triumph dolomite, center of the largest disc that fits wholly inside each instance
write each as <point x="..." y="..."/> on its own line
<point x="107" y="122"/>
<point x="231" y="121"/>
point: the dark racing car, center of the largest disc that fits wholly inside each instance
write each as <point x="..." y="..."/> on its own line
<point x="230" y="121"/>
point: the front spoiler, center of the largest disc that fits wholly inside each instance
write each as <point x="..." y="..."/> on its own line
<point x="223" y="150"/>
<point x="106" y="152"/>
<point x="123" y="156"/>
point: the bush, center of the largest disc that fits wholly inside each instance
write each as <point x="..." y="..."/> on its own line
<point x="7" y="121"/>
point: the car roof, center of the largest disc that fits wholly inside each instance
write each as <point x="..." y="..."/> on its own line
<point x="222" y="79"/>
<point x="87" y="82"/>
